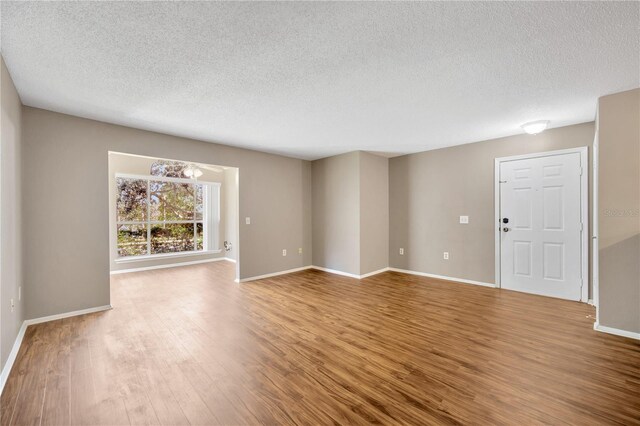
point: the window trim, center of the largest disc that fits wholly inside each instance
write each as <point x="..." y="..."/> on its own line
<point x="211" y="224"/>
<point x="165" y="179"/>
<point x="148" y="257"/>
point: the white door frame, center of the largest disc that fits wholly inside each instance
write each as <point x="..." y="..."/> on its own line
<point x="595" y="243"/>
<point x="584" y="210"/>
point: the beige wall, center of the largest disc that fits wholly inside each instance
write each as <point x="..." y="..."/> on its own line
<point x="230" y="206"/>
<point x="428" y="192"/>
<point x="619" y="210"/>
<point x="351" y="212"/>
<point x="374" y="212"/>
<point x="67" y="174"/>
<point x="336" y="212"/>
<point x="11" y="277"/>
<point x="130" y="164"/>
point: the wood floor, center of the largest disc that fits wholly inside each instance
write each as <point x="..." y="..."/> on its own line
<point x="189" y="346"/>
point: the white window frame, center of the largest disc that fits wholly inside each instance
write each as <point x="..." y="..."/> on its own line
<point x="210" y="218"/>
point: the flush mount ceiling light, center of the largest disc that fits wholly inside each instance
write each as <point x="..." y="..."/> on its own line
<point x="192" y="172"/>
<point x="535" y="127"/>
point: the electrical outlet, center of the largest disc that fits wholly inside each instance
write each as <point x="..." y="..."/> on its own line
<point x="284" y="252"/>
<point x="401" y="252"/>
<point x="13" y="305"/>
<point x="247" y="220"/>
<point x="300" y="250"/>
<point x="445" y="255"/>
<point x="464" y="219"/>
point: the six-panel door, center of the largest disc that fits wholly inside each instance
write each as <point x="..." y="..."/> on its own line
<point x="540" y="244"/>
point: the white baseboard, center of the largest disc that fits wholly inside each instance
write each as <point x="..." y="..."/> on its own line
<point x="26" y="323"/>
<point x="335" y="271"/>
<point x="370" y="274"/>
<point x="319" y="268"/>
<point x="68" y="314"/>
<point x="12" y="356"/>
<point x="443" y="277"/>
<point x="616" y="331"/>
<point x="274" y="274"/>
<point x="228" y="259"/>
<point x="169" y="265"/>
<point x="350" y="275"/>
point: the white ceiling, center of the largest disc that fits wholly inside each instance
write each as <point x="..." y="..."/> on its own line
<point x="310" y="80"/>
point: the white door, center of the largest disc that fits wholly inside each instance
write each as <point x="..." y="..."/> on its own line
<point x="540" y="223"/>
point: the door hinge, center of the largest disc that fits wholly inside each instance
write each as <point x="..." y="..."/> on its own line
<point x="581" y="226"/>
<point x="580" y="171"/>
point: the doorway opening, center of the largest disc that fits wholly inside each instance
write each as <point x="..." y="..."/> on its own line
<point x="542" y="226"/>
<point x="165" y="213"/>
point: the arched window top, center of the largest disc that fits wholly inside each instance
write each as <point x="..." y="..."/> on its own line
<point x="167" y="168"/>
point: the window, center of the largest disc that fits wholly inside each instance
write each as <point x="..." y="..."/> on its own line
<point x="162" y="215"/>
<point x="167" y="168"/>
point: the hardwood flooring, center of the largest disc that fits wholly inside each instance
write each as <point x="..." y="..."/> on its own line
<point x="189" y="346"/>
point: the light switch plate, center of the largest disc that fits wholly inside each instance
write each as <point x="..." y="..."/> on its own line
<point x="464" y="219"/>
<point x="401" y="252"/>
<point x="247" y="220"/>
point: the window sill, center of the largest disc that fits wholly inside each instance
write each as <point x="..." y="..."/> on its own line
<point x="134" y="259"/>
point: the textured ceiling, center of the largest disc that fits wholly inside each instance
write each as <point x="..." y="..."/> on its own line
<point x="315" y="79"/>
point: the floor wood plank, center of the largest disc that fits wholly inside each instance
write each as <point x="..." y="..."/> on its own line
<point x="189" y="346"/>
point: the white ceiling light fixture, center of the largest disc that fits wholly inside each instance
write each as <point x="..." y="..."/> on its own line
<point x="192" y="172"/>
<point x="535" y="127"/>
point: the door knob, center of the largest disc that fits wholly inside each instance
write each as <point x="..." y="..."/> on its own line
<point x="505" y="229"/>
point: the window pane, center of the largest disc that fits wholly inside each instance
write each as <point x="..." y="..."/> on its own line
<point x="199" y="202"/>
<point x="171" y="201"/>
<point x="199" y="236"/>
<point x="171" y="238"/>
<point x="168" y="168"/>
<point x="132" y="240"/>
<point x="132" y="200"/>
